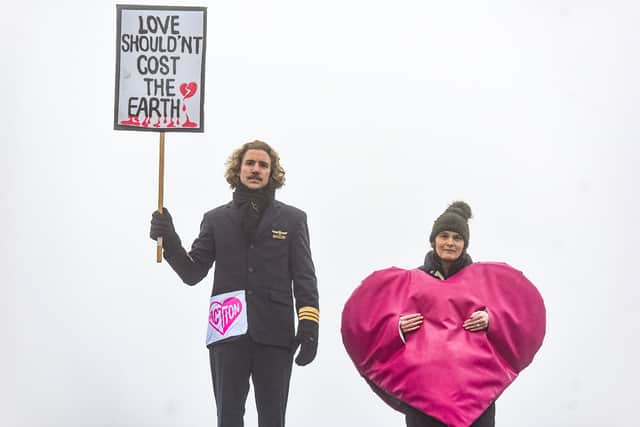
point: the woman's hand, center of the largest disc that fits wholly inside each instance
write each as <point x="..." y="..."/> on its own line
<point x="479" y="321"/>
<point x="410" y="322"/>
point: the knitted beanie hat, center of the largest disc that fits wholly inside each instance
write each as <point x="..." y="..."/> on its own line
<point x="454" y="218"/>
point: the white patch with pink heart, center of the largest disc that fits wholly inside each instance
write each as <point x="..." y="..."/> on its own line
<point x="227" y="316"/>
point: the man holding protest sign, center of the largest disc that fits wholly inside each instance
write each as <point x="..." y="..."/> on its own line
<point x="263" y="261"/>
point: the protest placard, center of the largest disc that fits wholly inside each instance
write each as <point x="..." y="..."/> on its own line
<point x="160" y="68"/>
<point x="160" y="59"/>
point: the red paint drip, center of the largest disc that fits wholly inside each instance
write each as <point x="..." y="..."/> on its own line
<point x="189" y="124"/>
<point x="132" y="121"/>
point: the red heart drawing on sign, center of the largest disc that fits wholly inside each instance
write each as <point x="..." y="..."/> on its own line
<point x="222" y="316"/>
<point x="188" y="89"/>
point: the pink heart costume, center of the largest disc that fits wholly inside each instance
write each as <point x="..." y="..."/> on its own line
<point x="442" y="369"/>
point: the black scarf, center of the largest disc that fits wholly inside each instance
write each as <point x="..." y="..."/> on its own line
<point x="252" y="204"/>
<point x="433" y="264"/>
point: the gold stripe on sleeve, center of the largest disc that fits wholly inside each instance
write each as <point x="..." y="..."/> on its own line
<point x="309" y="313"/>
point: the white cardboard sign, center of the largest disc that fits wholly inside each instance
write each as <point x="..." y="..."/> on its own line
<point x="160" y="68"/>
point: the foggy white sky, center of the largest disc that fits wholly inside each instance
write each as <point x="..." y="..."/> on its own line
<point x="383" y="112"/>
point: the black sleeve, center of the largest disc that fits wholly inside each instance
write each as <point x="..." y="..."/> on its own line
<point x="192" y="267"/>
<point x="305" y="286"/>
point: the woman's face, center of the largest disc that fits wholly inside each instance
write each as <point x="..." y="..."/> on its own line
<point x="449" y="245"/>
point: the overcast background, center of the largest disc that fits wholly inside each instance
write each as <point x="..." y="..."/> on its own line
<point x="383" y="112"/>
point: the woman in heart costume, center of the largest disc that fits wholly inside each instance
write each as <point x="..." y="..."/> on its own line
<point x="442" y="342"/>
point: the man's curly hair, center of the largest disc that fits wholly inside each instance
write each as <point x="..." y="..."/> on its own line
<point x="234" y="162"/>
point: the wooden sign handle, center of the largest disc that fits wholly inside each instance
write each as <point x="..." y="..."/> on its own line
<point x="160" y="194"/>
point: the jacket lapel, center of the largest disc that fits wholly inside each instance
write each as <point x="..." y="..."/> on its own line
<point x="234" y="214"/>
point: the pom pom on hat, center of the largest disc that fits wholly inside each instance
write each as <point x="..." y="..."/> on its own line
<point x="461" y="208"/>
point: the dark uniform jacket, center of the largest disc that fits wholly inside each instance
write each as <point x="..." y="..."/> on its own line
<point x="273" y="268"/>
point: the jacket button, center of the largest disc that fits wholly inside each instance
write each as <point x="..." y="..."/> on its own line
<point x="251" y="246"/>
<point x="250" y="269"/>
<point x="249" y="292"/>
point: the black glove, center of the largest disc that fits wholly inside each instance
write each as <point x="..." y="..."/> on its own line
<point x="307" y="338"/>
<point x="162" y="226"/>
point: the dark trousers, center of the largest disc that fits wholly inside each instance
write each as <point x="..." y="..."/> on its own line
<point x="232" y="363"/>
<point x="416" y="418"/>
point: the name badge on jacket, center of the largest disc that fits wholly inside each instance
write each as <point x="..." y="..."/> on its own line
<point x="227" y="316"/>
